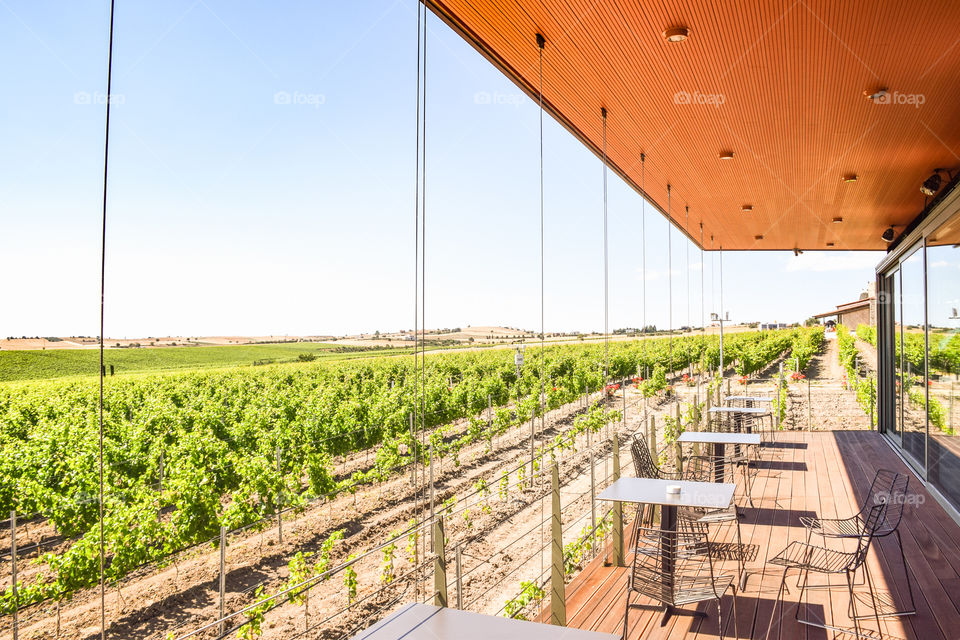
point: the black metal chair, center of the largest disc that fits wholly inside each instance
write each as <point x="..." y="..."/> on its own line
<point x="808" y="558"/>
<point x="888" y="488"/>
<point x="675" y="568"/>
<point x="697" y="469"/>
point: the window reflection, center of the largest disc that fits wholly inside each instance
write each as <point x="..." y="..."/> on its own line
<point x="913" y="379"/>
<point x="943" y="355"/>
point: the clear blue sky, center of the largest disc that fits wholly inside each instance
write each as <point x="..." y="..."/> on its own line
<point x="231" y="212"/>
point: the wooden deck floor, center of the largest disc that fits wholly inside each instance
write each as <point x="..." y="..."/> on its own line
<point x="822" y="473"/>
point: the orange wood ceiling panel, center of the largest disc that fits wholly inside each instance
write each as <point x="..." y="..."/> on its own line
<point x="779" y="82"/>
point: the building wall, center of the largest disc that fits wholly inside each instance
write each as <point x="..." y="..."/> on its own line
<point x="851" y="319"/>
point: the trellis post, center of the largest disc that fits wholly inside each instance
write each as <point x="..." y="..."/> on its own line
<point x="439" y="565"/>
<point x="223" y="577"/>
<point x="617" y="508"/>
<point x="13" y="571"/>
<point x="558" y="597"/>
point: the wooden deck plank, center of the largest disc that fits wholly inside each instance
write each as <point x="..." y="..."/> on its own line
<point x="830" y="477"/>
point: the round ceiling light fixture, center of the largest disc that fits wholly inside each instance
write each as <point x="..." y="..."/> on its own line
<point x="676" y="34"/>
<point x="747" y="208"/>
<point x="830" y="244"/>
<point x="726" y="155"/>
<point x="837" y="220"/>
<point x="758" y="237"/>
<point x="850" y="177"/>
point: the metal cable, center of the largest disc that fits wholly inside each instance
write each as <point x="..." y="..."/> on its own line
<point x="606" y="329"/>
<point x="540" y="44"/>
<point x="669" y="281"/>
<point x="103" y="279"/>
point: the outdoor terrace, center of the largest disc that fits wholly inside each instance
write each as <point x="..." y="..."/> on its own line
<point x="823" y="473"/>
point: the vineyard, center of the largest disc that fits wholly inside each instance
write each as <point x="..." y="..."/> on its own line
<point x="188" y="453"/>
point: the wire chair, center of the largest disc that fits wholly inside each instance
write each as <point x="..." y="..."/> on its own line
<point x="807" y="558"/>
<point x="675" y="568"/>
<point x="697" y="469"/>
<point x="888" y="488"/>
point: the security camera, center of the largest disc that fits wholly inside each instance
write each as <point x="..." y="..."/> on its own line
<point x="888" y="235"/>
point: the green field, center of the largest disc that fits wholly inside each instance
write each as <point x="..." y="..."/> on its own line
<point x="61" y="363"/>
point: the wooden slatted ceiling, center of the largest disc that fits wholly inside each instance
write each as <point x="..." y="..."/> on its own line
<point x="782" y="83"/>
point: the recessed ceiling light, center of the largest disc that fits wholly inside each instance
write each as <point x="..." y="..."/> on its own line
<point x="747" y="208"/>
<point x="726" y="155"/>
<point x="676" y="34"/>
<point x="876" y="95"/>
<point x="837" y="220"/>
<point x="758" y="237"/>
<point x="830" y="244"/>
<point x="850" y="177"/>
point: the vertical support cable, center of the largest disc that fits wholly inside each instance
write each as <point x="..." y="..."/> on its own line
<point x="643" y="260"/>
<point x="703" y="316"/>
<point x="417" y="419"/>
<point x="686" y="228"/>
<point x="669" y="283"/>
<point x="686" y="244"/>
<point x="103" y="279"/>
<point x="541" y="41"/>
<point x="606" y="287"/>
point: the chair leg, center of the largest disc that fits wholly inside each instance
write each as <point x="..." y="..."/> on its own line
<point x="743" y="576"/>
<point x="809" y="535"/>
<point x="873" y="599"/>
<point x="719" y="619"/>
<point x="773" y="612"/>
<point x="913" y="607"/>
<point x="853" y="605"/>
<point x="626" y="617"/>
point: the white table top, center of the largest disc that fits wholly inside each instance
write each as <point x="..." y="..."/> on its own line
<point x="713" y="437"/>
<point x="708" y="495"/>
<point x="747" y="410"/>
<point x="751" y="398"/>
<point x="426" y="622"/>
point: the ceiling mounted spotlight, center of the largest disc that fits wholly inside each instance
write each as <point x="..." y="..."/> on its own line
<point x="850" y="177"/>
<point x="888" y="235"/>
<point x="726" y="155"/>
<point x="676" y="34"/>
<point x="837" y="220"/>
<point x="876" y="95"/>
<point x="797" y="252"/>
<point x="932" y="184"/>
<point x="747" y="208"/>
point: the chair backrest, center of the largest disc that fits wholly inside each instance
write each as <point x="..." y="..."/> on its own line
<point x="674" y="567"/>
<point x="873" y="520"/>
<point x="643" y="464"/>
<point x="889" y="488"/>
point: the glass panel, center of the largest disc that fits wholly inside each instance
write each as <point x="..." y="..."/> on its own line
<point x="943" y="410"/>
<point x="894" y="290"/>
<point x="913" y="349"/>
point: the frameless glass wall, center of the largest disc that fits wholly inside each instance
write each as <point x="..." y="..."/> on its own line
<point x="912" y="348"/>
<point x="943" y="358"/>
<point x="921" y="353"/>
